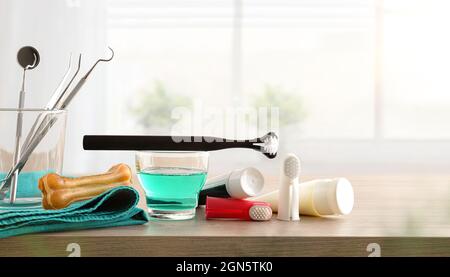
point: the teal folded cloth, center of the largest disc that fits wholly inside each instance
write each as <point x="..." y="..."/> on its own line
<point x="27" y="184"/>
<point x="116" y="207"/>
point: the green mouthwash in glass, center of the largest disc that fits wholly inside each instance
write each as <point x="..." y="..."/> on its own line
<point x="170" y="188"/>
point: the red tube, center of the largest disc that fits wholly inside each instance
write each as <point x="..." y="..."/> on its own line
<point x="231" y="208"/>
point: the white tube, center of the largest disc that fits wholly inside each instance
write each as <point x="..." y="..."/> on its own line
<point x="320" y="197"/>
<point x="238" y="184"/>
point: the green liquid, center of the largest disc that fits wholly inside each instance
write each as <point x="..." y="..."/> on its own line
<point x="172" y="189"/>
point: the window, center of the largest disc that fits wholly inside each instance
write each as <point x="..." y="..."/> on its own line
<point x="416" y="90"/>
<point x="183" y="50"/>
<point x="318" y="50"/>
<point x="362" y="84"/>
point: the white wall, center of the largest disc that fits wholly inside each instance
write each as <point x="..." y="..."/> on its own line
<point x="56" y="28"/>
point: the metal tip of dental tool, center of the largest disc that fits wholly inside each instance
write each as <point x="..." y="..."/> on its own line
<point x="100" y="60"/>
<point x="57" y="94"/>
<point x="82" y="81"/>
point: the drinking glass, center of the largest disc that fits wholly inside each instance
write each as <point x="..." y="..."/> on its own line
<point x="46" y="158"/>
<point x="172" y="182"/>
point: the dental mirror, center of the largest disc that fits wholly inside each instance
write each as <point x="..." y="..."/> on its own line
<point x="28" y="57"/>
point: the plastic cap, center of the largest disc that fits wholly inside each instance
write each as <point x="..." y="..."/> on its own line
<point x="245" y="183"/>
<point x="333" y="197"/>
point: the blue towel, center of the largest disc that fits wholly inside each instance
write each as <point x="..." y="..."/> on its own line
<point x="27" y="185"/>
<point x="116" y="207"/>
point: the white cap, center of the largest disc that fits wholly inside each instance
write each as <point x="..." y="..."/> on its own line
<point x="333" y="197"/>
<point x="245" y="183"/>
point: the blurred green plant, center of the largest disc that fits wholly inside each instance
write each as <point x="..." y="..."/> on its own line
<point x="290" y="105"/>
<point x="153" y="106"/>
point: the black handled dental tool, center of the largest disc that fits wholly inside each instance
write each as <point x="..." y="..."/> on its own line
<point x="267" y="144"/>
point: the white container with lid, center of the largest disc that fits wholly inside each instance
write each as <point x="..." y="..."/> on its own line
<point x="320" y="197"/>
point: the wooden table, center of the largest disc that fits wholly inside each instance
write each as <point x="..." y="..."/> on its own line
<point x="405" y="216"/>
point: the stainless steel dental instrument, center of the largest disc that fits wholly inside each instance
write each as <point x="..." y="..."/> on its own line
<point x="267" y="144"/>
<point x="46" y="125"/>
<point x="56" y="97"/>
<point x="60" y="89"/>
<point x="81" y="82"/>
<point x="28" y="58"/>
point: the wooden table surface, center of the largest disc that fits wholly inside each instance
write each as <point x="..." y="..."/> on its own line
<point x="404" y="215"/>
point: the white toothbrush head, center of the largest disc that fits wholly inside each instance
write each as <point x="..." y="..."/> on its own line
<point x="260" y="213"/>
<point x="288" y="196"/>
<point x="270" y="145"/>
<point x="291" y="166"/>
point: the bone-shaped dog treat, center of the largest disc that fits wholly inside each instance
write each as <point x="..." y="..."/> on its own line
<point x="59" y="192"/>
